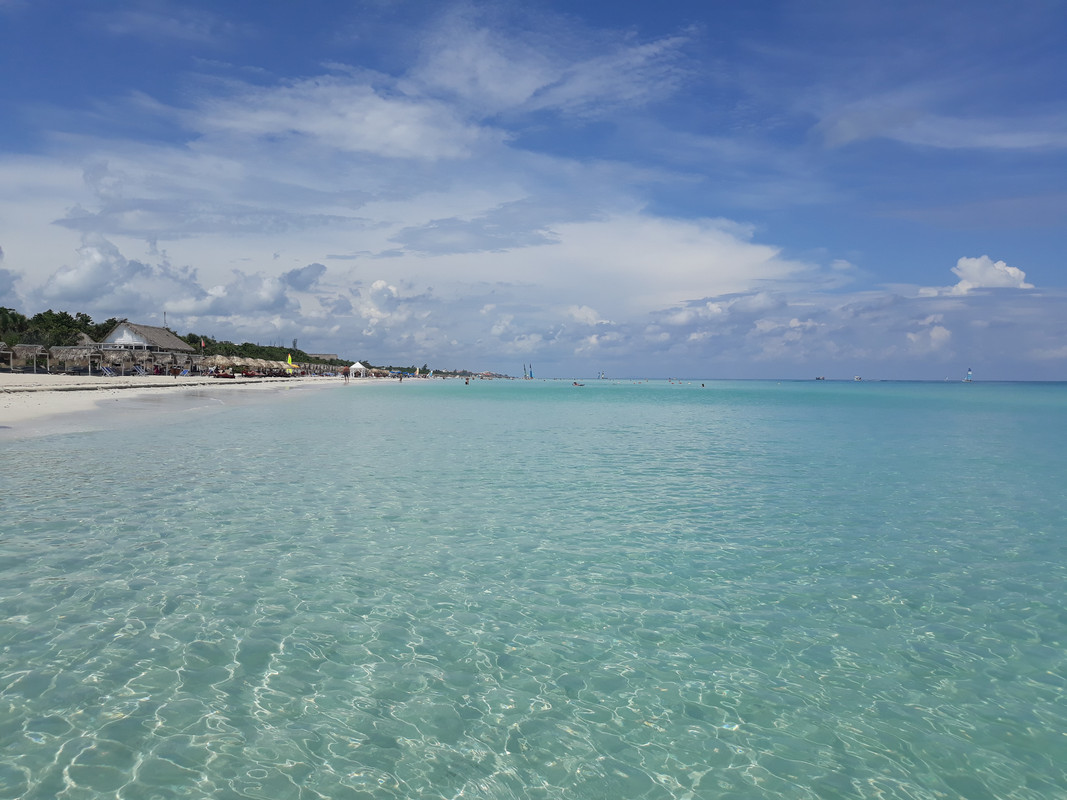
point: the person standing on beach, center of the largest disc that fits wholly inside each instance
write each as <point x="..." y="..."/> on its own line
<point x="346" y="371"/>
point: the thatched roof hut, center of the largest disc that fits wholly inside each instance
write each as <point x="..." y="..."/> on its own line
<point x="131" y="336"/>
<point x="147" y="344"/>
<point x="28" y="352"/>
<point x="76" y="354"/>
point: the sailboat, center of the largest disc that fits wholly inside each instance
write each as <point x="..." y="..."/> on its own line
<point x="969" y="378"/>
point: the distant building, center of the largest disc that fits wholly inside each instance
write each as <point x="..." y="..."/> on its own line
<point x="127" y="346"/>
<point x="325" y="356"/>
<point x="130" y="336"/>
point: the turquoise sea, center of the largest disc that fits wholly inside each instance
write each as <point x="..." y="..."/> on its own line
<point x="533" y="590"/>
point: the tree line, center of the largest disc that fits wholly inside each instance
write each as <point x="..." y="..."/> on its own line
<point x="50" y="328"/>
<point x="61" y="329"/>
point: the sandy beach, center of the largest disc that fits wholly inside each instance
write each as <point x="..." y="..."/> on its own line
<point x="35" y="404"/>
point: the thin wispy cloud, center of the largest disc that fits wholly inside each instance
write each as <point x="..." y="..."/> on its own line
<point x="161" y="21"/>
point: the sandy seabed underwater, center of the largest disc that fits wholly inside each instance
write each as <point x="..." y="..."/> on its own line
<point x="534" y="590"/>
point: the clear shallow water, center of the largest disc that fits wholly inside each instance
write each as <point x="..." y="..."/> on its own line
<point x="746" y="590"/>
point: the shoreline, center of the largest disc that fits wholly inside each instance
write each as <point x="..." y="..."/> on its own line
<point x="43" y="404"/>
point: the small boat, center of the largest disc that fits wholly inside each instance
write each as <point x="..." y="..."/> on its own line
<point x="969" y="378"/>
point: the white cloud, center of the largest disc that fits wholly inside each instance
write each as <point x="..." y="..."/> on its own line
<point x="525" y="343"/>
<point x="507" y="187"/>
<point x="984" y="273"/>
<point x="930" y="339"/>
<point x="380" y="305"/>
<point x="628" y="77"/>
<point x="584" y="315"/>
<point x="902" y="118"/>
<point x="487" y="70"/>
<point x="100" y="270"/>
<point x="347" y="114"/>
<point x="637" y="263"/>
<point x="549" y="68"/>
<point x="980" y="273"/>
<point x="987" y="134"/>
<point x="502" y="325"/>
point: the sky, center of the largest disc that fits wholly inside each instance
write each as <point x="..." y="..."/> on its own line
<point x="688" y="189"/>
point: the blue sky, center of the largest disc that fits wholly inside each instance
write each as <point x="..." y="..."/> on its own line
<point x="712" y="189"/>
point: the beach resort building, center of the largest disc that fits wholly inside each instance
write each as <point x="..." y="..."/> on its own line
<point x="129" y="347"/>
<point x="146" y="339"/>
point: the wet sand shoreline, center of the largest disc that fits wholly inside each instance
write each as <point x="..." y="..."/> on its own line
<point x="43" y="403"/>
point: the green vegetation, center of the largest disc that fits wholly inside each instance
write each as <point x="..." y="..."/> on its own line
<point x="60" y="329"/>
<point x="214" y="347"/>
<point x="50" y="328"/>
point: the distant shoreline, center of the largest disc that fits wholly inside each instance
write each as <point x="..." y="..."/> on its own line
<point x="41" y="404"/>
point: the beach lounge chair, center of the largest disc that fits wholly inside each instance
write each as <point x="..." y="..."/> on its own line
<point x="108" y="371"/>
<point x="184" y="373"/>
<point x="140" y="370"/>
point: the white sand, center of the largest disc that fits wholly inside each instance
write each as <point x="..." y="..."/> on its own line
<point x="27" y="400"/>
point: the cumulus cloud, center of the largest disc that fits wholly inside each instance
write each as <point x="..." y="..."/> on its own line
<point x="984" y="273"/>
<point x="980" y="273"/>
<point x="525" y="343"/>
<point x="502" y="325"/>
<point x="930" y="338"/>
<point x="100" y="270"/>
<point x="380" y="305"/>
<point x="305" y="277"/>
<point x="244" y="294"/>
